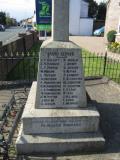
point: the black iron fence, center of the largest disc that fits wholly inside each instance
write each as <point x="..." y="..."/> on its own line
<point x="24" y="67"/>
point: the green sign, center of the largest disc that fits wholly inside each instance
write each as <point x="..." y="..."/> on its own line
<point x="42" y="27"/>
<point x="43" y="14"/>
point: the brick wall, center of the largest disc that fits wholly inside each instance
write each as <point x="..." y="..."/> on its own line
<point x="22" y="43"/>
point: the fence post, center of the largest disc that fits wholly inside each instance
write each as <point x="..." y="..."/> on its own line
<point x="1" y="43"/>
<point x="105" y="63"/>
<point x="22" y="35"/>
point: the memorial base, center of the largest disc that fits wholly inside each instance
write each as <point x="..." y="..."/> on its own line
<point x="58" y="131"/>
<point x="58" y="144"/>
<point x="67" y="120"/>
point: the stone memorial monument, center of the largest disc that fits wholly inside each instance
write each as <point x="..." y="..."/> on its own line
<point x="57" y="118"/>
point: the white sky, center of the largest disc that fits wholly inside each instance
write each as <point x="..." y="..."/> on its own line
<point x="20" y="9"/>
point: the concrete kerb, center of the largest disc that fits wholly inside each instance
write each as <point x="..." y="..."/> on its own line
<point x="21" y="34"/>
<point x="114" y="84"/>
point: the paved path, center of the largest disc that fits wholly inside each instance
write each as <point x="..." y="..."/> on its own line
<point x="92" y="44"/>
<point x="95" y="45"/>
<point x="10" y="34"/>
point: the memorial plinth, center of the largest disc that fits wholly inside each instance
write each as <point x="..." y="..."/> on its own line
<point x="57" y="118"/>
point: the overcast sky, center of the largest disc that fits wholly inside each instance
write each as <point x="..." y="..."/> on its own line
<point x="20" y="9"/>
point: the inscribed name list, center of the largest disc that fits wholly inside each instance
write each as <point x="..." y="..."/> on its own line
<point x="61" y="79"/>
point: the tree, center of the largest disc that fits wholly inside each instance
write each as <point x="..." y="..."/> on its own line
<point x="9" y="21"/>
<point x="2" y="18"/>
<point x="101" y="11"/>
<point x="93" y="9"/>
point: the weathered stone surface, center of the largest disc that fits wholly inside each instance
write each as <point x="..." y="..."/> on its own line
<point x="60" y="20"/>
<point x="58" y="143"/>
<point x="60" y="125"/>
<point x="60" y="77"/>
<point x="36" y="121"/>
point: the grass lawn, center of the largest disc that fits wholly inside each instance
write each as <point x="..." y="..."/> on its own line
<point x="97" y="66"/>
<point x="94" y="65"/>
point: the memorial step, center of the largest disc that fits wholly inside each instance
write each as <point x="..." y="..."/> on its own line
<point x="46" y="144"/>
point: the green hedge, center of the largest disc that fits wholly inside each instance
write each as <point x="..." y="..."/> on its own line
<point x="111" y="36"/>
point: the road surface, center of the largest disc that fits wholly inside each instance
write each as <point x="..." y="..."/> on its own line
<point x="10" y="33"/>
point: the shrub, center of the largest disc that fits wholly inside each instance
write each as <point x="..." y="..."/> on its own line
<point x="114" y="47"/>
<point x="111" y="36"/>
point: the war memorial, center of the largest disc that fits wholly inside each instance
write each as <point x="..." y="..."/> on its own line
<point x="58" y="118"/>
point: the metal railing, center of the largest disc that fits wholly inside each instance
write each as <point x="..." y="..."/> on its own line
<point x="24" y="67"/>
<point x="10" y="122"/>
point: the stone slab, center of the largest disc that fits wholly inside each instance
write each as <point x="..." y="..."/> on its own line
<point x="44" y="144"/>
<point x="36" y="121"/>
<point x="60" y="77"/>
